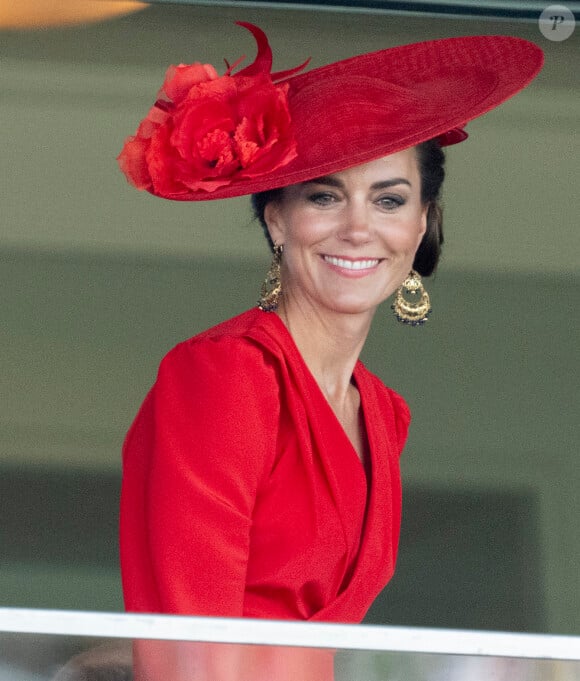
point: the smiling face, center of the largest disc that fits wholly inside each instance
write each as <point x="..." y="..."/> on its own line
<point x="350" y="238"/>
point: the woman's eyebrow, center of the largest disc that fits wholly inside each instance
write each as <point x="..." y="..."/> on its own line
<point x="385" y="184"/>
<point x="335" y="182"/>
<point x="327" y="179"/>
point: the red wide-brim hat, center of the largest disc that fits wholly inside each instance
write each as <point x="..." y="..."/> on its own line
<point x="212" y="137"/>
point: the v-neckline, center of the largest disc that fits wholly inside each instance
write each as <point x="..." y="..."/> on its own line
<point x="367" y="470"/>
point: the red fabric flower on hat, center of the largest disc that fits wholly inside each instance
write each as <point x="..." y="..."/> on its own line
<point x="206" y="131"/>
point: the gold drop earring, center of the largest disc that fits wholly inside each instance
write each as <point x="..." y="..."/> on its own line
<point x="416" y="309"/>
<point x="272" y="286"/>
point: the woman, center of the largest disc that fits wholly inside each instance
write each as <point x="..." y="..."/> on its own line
<point x="261" y="475"/>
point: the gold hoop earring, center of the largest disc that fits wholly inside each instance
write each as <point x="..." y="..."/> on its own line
<point x="272" y="286"/>
<point x="414" y="312"/>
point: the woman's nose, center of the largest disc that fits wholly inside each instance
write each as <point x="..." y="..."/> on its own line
<point x="356" y="226"/>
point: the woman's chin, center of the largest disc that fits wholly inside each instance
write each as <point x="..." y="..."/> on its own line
<point x="350" y="306"/>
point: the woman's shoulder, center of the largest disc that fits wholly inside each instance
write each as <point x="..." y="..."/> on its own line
<point x="383" y="391"/>
<point x="220" y="371"/>
<point x="393" y="406"/>
<point x="244" y="345"/>
<point x="253" y="325"/>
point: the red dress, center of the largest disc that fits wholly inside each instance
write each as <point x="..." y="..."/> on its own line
<point x="242" y="495"/>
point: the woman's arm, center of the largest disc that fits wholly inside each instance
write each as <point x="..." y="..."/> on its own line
<point x="192" y="463"/>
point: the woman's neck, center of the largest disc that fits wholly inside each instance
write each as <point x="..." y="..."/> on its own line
<point x="330" y="344"/>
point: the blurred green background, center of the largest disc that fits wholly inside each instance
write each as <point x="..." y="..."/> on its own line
<point x="98" y="281"/>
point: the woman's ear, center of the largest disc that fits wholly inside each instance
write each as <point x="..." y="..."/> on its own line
<point x="423" y="226"/>
<point x="274" y="221"/>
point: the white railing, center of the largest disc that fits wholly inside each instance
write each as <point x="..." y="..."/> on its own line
<point x="301" y="634"/>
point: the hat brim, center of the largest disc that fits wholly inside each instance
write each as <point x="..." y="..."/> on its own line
<point x="366" y="107"/>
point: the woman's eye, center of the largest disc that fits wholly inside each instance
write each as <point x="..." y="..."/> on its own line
<point x="390" y="202"/>
<point x="322" y="198"/>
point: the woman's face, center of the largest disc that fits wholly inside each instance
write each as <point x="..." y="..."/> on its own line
<point x="350" y="238"/>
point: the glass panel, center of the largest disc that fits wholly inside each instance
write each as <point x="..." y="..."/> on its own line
<point x="32" y="657"/>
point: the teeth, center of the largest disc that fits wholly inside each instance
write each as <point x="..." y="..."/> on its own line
<point x="351" y="264"/>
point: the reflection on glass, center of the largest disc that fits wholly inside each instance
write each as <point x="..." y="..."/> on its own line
<point x="32" y="657"/>
<point x="106" y="662"/>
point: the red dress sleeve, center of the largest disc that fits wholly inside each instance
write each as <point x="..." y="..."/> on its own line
<point x="192" y="464"/>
